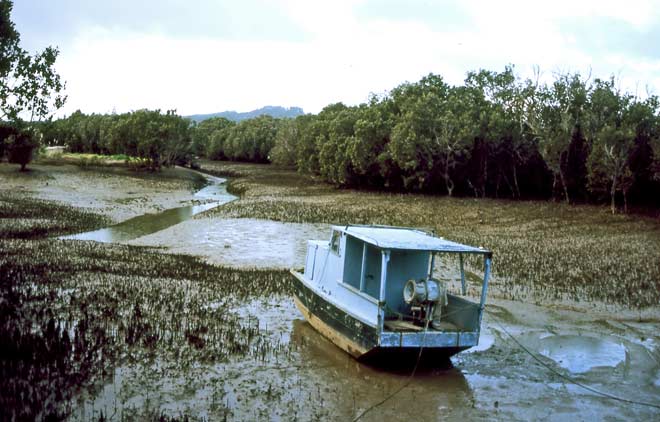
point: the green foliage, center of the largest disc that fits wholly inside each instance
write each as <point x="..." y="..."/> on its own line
<point x="158" y="139"/>
<point x="154" y="138"/>
<point x="426" y="128"/>
<point x="495" y="135"/>
<point x="251" y="140"/>
<point x="6" y="131"/>
<point x="334" y="159"/>
<point x="620" y="123"/>
<point x="208" y="137"/>
<point x="372" y="134"/>
<point x="285" y="144"/>
<point x="553" y="118"/>
<point x="307" y="157"/>
<point x="29" y="85"/>
<point x="656" y="163"/>
<point x="20" y="147"/>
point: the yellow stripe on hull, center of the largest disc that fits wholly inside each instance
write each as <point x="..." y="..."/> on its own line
<point x="339" y="339"/>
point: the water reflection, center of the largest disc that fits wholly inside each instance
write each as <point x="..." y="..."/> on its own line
<point x="580" y="354"/>
<point x="212" y="196"/>
<point x="435" y="391"/>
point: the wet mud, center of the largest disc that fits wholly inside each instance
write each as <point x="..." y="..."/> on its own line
<point x="285" y="370"/>
<point x="119" y="194"/>
<point x="305" y="377"/>
<point x="239" y="242"/>
<point x="211" y="196"/>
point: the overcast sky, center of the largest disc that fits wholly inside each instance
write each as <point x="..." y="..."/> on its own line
<point x="205" y="56"/>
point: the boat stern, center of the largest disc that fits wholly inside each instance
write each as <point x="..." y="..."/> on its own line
<point x="429" y="339"/>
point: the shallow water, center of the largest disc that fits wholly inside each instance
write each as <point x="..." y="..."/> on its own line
<point x="209" y="197"/>
<point x="305" y="377"/>
<point x="579" y="354"/>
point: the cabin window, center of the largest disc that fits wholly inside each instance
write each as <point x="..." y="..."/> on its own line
<point x="352" y="253"/>
<point x="334" y="241"/>
<point x="362" y="267"/>
<point x="372" y="267"/>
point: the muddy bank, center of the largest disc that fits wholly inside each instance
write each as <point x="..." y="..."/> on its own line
<point x="114" y="192"/>
<point x="211" y="196"/>
<point x="306" y="377"/>
<point x="241" y="242"/>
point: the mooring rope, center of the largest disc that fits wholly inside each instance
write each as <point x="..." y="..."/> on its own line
<point x="526" y="350"/>
<point x="566" y="377"/>
<point x="405" y="384"/>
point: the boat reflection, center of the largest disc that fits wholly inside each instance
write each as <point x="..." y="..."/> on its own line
<point x="434" y="392"/>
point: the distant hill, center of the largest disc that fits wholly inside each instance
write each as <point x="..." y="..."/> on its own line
<point x="274" y="111"/>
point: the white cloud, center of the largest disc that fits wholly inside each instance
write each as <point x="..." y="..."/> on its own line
<point x="343" y="59"/>
<point x="639" y="13"/>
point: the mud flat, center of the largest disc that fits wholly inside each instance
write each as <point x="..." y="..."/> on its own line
<point x="211" y="196"/>
<point x="117" y="193"/>
<point x="238" y="242"/>
<point x="305" y="377"/>
<point x="168" y="335"/>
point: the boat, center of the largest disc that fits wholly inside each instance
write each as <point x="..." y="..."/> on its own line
<point x="371" y="290"/>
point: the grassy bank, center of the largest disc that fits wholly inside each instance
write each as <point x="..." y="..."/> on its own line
<point x="92" y="160"/>
<point x="115" y="164"/>
<point x="544" y="251"/>
<point x="72" y="311"/>
<point x="27" y="218"/>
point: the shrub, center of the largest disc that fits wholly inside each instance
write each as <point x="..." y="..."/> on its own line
<point x="21" y="147"/>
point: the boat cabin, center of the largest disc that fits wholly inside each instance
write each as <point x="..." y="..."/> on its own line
<point x="370" y="288"/>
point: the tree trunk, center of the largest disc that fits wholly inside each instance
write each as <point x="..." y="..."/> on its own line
<point x="613" y="196"/>
<point x="476" y="194"/>
<point x="449" y="184"/>
<point x="625" y="201"/>
<point x="513" y="193"/>
<point x="515" y="182"/>
<point x="483" y="192"/>
<point x="554" y="185"/>
<point x="23" y="166"/>
<point x="563" y="183"/>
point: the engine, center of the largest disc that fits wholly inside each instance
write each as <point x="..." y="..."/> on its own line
<point x="429" y="296"/>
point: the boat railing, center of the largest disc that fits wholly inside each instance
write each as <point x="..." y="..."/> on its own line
<point x="427" y="230"/>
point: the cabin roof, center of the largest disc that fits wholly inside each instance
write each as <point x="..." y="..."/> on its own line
<point x="406" y="238"/>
